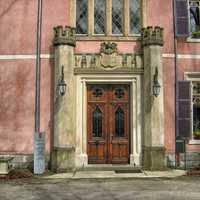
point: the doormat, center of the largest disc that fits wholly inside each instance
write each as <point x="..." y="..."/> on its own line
<point x="127" y="171"/>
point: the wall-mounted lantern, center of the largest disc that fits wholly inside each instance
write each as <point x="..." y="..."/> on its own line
<point x="156" y="84"/>
<point x="62" y="85"/>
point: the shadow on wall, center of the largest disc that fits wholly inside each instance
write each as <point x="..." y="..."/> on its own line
<point x="5" y="8"/>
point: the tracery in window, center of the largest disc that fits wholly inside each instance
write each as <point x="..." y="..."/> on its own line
<point x="119" y="122"/>
<point x="97" y="122"/>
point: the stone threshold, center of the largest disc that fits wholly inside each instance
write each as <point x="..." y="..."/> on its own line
<point x="113" y="175"/>
<point x="110" y="167"/>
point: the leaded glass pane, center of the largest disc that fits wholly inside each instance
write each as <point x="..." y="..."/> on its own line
<point x="134" y="10"/>
<point x="119" y="122"/>
<point x="81" y="16"/>
<point x="117" y="16"/>
<point x="97" y="122"/>
<point x="99" y="16"/>
<point x="194" y="16"/>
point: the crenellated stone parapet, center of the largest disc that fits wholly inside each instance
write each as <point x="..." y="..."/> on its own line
<point x="64" y="36"/>
<point x="152" y="36"/>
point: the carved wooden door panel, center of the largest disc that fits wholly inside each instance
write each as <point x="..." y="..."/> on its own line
<point x="108" y="124"/>
<point x="119" y="124"/>
<point x="97" y="124"/>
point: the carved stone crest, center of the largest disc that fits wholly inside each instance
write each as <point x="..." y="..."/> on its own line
<point x="109" y="55"/>
<point x="108" y="48"/>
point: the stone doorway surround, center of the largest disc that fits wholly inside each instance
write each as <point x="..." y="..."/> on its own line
<point x="135" y="120"/>
<point x="108" y="66"/>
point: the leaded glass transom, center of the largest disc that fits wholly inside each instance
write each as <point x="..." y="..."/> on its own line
<point x="119" y="122"/>
<point x="117" y="16"/>
<point x="134" y="10"/>
<point x="81" y="16"/>
<point x="97" y="122"/>
<point x="99" y="16"/>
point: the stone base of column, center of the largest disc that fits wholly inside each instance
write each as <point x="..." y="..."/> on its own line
<point x="63" y="159"/>
<point x="135" y="160"/>
<point x="154" y="158"/>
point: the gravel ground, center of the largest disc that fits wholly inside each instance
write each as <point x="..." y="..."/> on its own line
<point x="183" y="188"/>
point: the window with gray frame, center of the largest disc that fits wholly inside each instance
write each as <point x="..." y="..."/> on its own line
<point x="194" y="16"/>
<point x="196" y="109"/>
<point x="187" y="18"/>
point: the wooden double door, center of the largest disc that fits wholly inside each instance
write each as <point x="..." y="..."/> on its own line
<point x="108" y="110"/>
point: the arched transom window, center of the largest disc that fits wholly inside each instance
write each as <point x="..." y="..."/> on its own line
<point x="108" y="17"/>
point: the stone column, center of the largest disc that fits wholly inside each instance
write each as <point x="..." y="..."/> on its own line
<point x="153" y="149"/>
<point x="63" y="155"/>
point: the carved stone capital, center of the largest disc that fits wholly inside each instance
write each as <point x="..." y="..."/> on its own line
<point x="152" y="36"/>
<point x="64" y="36"/>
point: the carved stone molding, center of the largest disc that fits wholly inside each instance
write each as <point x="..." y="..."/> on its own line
<point x="152" y="36"/>
<point x="64" y="36"/>
<point x="95" y="61"/>
<point x="108" y="59"/>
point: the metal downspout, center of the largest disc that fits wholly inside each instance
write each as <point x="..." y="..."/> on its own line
<point x="176" y="79"/>
<point x="38" y="67"/>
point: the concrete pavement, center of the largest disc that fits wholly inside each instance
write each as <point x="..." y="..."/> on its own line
<point x="179" y="188"/>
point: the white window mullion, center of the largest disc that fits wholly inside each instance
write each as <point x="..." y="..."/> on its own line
<point x="109" y="17"/>
<point x="72" y="13"/>
<point x="90" y="17"/>
<point x="126" y="19"/>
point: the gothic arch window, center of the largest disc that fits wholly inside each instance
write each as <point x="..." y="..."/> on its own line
<point x="119" y="122"/>
<point x="97" y="122"/>
<point x="108" y="17"/>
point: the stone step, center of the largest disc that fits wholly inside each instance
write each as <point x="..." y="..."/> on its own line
<point x="116" y="168"/>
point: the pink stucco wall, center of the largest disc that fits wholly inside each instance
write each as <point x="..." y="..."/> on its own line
<point x="17" y="80"/>
<point x="159" y="13"/>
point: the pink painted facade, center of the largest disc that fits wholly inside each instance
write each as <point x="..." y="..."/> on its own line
<point x="17" y="80"/>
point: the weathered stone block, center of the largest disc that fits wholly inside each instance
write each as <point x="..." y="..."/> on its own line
<point x="5" y="165"/>
<point x="63" y="159"/>
<point x="154" y="158"/>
